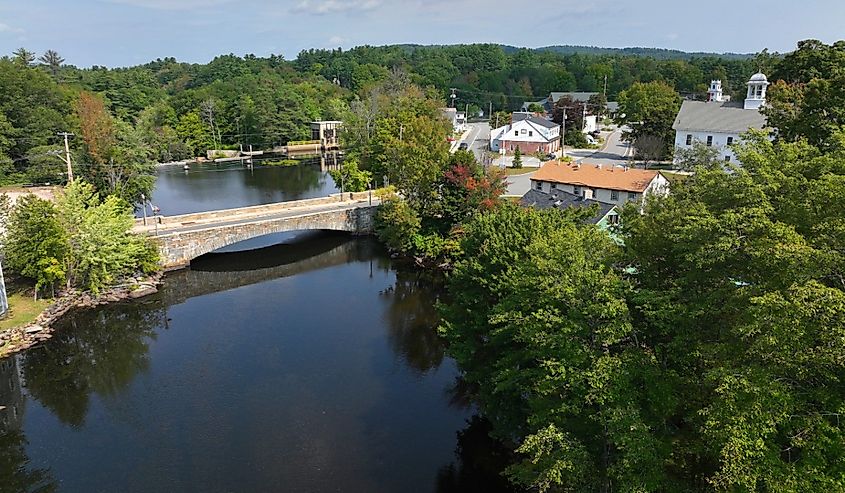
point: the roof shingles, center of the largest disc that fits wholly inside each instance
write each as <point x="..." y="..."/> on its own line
<point x="595" y="176"/>
<point x="724" y="117"/>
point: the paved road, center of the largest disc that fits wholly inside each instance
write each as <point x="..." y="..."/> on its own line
<point x="478" y="139"/>
<point x="615" y="152"/>
<point x="168" y="229"/>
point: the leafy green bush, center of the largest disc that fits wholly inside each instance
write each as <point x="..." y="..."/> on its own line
<point x="81" y="240"/>
<point x="350" y="178"/>
<point x="396" y="224"/>
<point x="36" y="245"/>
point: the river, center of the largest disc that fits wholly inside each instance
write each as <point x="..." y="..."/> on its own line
<point x="308" y="366"/>
<point x="211" y="186"/>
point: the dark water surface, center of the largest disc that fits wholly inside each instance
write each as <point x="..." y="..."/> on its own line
<point x="211" y="186"/>
<point x="307" y="367"/>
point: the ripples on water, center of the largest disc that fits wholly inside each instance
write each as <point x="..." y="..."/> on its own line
<point x="307" y="366"/>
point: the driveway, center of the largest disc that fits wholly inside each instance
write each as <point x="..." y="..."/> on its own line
<point x="519" y="184"/>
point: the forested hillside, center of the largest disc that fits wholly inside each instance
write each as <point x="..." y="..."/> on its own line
<point x="126" y="118"/>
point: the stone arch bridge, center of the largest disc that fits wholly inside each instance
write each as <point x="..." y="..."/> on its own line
<point x="185" y="237"/>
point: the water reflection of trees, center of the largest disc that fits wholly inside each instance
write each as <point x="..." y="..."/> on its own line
<point x="293" y="181"/>
<point x="480" y="462"/>
<point x="98" y="351"/>
<point x="413" y="320"/>
<point x="15" y="475"/>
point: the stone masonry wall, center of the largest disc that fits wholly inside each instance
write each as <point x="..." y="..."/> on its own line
<point x="257" y="209"/>
<point x="178" y="249"/>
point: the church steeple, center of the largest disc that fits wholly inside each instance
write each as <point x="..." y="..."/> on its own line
<point x="715" y="91"/>
<point x="756" y="96"/>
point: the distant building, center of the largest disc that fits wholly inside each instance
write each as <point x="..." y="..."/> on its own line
<point x="606" y="214"/>
<point x="548" y="104"/>
<point x="719" y="122"/>
<point x="527" y="133"/>
<point x="457" y="118"/>
<point x="614" y="185"/>
<point x="327" y="132"/>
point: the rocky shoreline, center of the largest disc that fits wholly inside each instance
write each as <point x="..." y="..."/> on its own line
<point x="27" y="336"/>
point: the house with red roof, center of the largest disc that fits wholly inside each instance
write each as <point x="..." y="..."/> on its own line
<point x="603" y="183"/>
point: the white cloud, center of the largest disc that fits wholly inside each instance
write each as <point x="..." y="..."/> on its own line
<point x="171" y="4"/>
<point x="5" y="28"/>
<point x="322" y="7"/>
<point x="337" y="40"/>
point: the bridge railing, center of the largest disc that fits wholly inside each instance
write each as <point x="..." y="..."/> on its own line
<point x="254" y="210"/>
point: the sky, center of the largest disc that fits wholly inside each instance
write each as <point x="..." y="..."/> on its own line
<point x="130" y="32"/>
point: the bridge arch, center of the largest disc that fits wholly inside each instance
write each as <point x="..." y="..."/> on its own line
<point x="179" y="247"/>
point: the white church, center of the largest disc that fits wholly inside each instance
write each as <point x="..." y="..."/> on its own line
<point x="718" y="122"/>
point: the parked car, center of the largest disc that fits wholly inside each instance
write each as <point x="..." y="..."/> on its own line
<point x="464" y="146"/>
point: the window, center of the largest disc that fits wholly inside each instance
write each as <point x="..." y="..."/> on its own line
<point x="727" y="158"/>
<point x="576" y="190"/>
<point x="516" y="132"/>
<point x="530" y="133"/>
<point x="613" y="219"/>
<point x="730" y="140"/>
<point x="614" y="195"/>
<point x="709" y="140"/>
<point x="523" y="131"/>
<point x="632" y="195"/>
<point x="539" y="185"/>
<point x="553" y="186"/>
<point x="689" y="139"/>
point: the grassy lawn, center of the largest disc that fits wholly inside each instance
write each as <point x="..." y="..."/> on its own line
<point x="22" y="310"/>
<point x="519" y="171"/>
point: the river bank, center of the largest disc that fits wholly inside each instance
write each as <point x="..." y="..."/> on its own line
<point x="28" y="335"/>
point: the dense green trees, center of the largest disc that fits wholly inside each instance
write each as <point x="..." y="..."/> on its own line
<point x="81" y="240"/>
<point x="808" y="98"/>
<point x="350" y="178"/>
<point x="266" y="102"/>
<point x="398" y="133"/>
<point x="704" y="354"/>
<point x="35" y="244"/>
<point x="649" y="109"/>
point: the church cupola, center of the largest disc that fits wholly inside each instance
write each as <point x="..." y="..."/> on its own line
<point x="715" y="92"/>
<point x="756" y="96"/>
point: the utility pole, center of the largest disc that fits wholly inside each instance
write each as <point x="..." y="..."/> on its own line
<point x="67" y="155"/>
<point x="490" y="113"/>
<point x="584" y="118"/>
<point x="144" y="207"/>
<point x="401" y="131"/>
<point x="563" y="134"/>
<point x="4" y="300"/>
<point x="452" y="97"/>
<point x="605" y="86"/>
